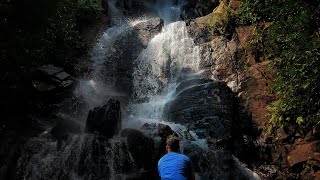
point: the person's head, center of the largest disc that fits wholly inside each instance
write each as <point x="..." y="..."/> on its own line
<point x="173" y="144"/>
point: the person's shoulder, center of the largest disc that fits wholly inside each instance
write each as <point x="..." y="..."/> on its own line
<point x="162" y="158"/>
<point x="160" y="161"/>
<point x="183" y="156"/>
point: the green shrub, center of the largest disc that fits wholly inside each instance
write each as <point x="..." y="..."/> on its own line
<point x="294" y="48"/>
<point x="60" y="38"/>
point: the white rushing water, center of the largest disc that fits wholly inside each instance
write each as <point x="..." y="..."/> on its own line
<point x="157" y="68"/>
<point x="96" y="88"/>
<point x="170" y="57"/>
<point x="156" y="74"/>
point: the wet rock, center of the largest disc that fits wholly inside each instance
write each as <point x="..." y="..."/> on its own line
<point x="63" y="128"/>
<point x="140" y="147"/>
<point x="148" y="29"/>
<point x="212" y="102"/>
<point x="159" y="133"/>
<point x="119" y="66"/>
<point x="215" y="164"/>
<point x="105" y="120"/>
<point x="164" y="131"/>
<point x="190" y="82"/>
<point x="49" y="78"/>
<point x="206" y="55"/>
<point x="50" y="69"/>
<point x="83" y="156"/>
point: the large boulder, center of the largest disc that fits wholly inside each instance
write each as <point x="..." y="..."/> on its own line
<point x="119" y="66"/>
<point x="105" y="120"/>
<point x="148" y="29"/>
<point x="140" y="148"/>
<point x="207" y="108"/>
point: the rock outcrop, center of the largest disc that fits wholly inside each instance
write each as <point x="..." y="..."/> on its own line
<point x="119" y="67"/>
<point x="236" y="58"/>
<point x="136" y="8"/>
<point x="105" y="120"/>
<point x="194" y="8"/>
<point x="146" y="30"/>
<point x="50" y="78"/>
<point x="207" y="106"/>
<point x="141" y="148"/>
<point x="207" y="109"/>
<point x="233" y="61"/>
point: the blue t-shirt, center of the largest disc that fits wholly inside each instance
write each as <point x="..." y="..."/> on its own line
<point x="175" y="166"/>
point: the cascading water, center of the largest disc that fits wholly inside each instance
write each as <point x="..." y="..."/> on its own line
<point x="158" y="68"/>
<point x="170" y="57"/>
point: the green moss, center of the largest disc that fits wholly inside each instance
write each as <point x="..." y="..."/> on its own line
<point x="222" y="17"/>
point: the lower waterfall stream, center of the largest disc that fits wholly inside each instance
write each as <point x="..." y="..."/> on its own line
<point x="170" y="61"/>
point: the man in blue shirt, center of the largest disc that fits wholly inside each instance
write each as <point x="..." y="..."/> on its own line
<point x="173" y="165"/>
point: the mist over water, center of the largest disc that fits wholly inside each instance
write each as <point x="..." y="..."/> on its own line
<point x="159" y="68"/>
<point x="170" y="57"/>
<point x="156" y="70"/>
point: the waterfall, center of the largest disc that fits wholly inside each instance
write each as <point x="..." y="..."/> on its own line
<point x="170" y="57"/>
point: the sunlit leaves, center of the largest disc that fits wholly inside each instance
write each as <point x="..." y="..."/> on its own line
<point x="294" y="48"/>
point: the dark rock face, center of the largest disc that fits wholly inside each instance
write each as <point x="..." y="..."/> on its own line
<point x="140" y="147"/>
<point x="194" y="9"/>
<point x="208" y="106"/>
<point x="159" y="133"/>
<point x="127" y="48"/>
<point x="191" y="82"/>
<point x="89" y="156"/>
<point x="134" y="7"/>
<point x="62" y="130"/>
<point x="49" y="78"/>
<point x="148" y="29"/>
<point x="82" y="156"/>
<point x="105" y="120"/>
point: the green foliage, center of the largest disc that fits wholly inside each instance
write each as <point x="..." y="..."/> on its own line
<point x="254" y="11"/>
<point x="60" y="38"/>
<point x="294" y="48"/>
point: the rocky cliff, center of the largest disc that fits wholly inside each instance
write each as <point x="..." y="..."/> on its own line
<point x="229" y="53"/>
